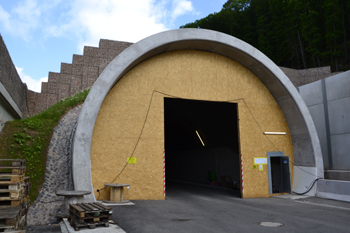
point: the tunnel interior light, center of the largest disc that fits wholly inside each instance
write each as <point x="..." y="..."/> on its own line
<point x="275" y="133"/>
<point x="200" y="138"/>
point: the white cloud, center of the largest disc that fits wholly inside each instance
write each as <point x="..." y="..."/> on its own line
<point x="91" y="20"/>
<point x="4" y="16"/>
<point x="22" y="19"/>
<point x="181" y="7"/>
<point x="87" y="21"/>
<point x="32" y="84"/>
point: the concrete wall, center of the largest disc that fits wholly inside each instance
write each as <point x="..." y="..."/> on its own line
<point x="334" y="189"/>
<point x="328" y="101"/>
<point x="189" y="74"/>
<point x="13" y="93"/>
<point x="5" y="113"/>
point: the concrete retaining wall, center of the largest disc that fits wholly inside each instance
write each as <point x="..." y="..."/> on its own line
<point x="333" y="189"/>
<point x="328" y="101"/>
<point x="13" y="93"/>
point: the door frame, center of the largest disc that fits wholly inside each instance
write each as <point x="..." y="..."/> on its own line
<point x="276" y="154"/>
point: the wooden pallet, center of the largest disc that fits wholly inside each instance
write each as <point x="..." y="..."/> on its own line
<point x="87" y="223"/>
<point x="89" y="215"/>
<point x="14" y="202"/>
<point x="27" y="187"/>
<point x="26" y="180"/>
<point x="12" y="229"/>
<point x="13" y="186"/>
<point x="13" y="170"/>
<point x="7" y="202"/>
<point x="12" y="194"/>
<point x="13" y="162"/>
<point x="9" y="177"/>
<point x="90" y="218"/>
<point x="12" y="218"/>
<point x="93" y="209"/>
<point x="25" y="198"/>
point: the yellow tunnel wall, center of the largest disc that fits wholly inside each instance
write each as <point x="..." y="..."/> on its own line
<point x="187" y="74"/>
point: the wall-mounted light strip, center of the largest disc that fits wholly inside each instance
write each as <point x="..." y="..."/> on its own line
<point x="275" y="133"/>
<point x="200" y="138"/>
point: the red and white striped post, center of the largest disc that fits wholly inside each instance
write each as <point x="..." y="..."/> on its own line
<point x="242" y="174"/>
<point x="164" y="170"/>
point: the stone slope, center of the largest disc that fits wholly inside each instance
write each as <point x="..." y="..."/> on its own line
<point x="58" y="175"/>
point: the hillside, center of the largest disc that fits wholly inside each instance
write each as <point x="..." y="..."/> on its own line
<point x="297" y="34"/>
<point x="30" y="138"/>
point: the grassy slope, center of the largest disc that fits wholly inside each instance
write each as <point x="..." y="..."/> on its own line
<point x="29" y="139"/>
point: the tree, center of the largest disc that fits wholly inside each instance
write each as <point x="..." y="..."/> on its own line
<point x="333" y="15"/>
<point x="293" y="33"/>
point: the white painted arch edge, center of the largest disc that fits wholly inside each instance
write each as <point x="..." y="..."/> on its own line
<point x="156" y="44"/>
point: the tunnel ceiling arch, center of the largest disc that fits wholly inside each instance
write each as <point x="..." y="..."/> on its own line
<point x="307" y="150"/>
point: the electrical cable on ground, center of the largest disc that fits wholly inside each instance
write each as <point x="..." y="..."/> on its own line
<point x="312" y="185"/>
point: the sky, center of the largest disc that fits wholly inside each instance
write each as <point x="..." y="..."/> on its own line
<point x="40" y="34"/>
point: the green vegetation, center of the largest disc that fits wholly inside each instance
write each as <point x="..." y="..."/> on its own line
<point x="29" y="139"/>
<point x="293" y="33"/>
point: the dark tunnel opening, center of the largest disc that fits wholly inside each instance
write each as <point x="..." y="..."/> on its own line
<point x="202" y="142"/>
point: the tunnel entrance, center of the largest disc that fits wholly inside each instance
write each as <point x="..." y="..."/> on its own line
<point x="202" y="142"/>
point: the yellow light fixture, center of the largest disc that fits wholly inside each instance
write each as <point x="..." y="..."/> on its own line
<point x="200" y="138"/>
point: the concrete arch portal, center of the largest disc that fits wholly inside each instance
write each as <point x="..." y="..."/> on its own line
<point x="226" y="51"/>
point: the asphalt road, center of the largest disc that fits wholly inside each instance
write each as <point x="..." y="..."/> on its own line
<point x="190" y="208"/>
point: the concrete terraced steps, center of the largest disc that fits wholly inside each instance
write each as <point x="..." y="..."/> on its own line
<point x="79" y="75"/>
